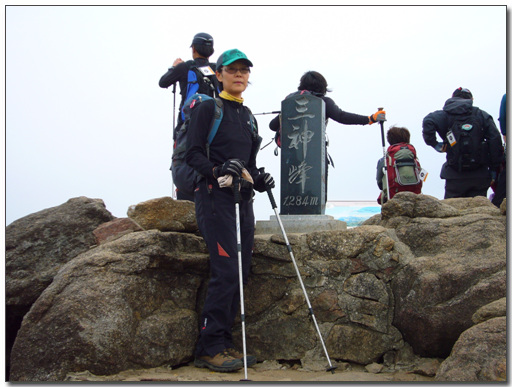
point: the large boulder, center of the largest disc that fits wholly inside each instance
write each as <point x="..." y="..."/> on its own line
<point x="36" y="247"/>
<point x="129" y="303"/>
<point x="479" y="355"/>
<point x="460" y="266"/>
<point x="134" y="303"/>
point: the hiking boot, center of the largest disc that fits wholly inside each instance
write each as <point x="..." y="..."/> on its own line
<point x="251" y="360"/>
<point x="221" y="362"/>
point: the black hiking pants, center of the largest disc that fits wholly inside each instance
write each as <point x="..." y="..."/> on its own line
<point x="501" y="187"/>
<point x="466" y="188"/>
<point x="215" y="213"/>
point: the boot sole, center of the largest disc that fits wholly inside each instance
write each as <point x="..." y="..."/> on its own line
<point x="204" y="364"/>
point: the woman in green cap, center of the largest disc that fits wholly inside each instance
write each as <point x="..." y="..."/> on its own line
<point x="231" y="155"/>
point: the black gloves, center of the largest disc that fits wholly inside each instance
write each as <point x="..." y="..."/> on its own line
<point x="263" y="182"/>
<point x="231" y="167"/>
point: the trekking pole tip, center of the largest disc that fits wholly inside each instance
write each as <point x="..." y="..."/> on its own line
<point x="332" y="368"/>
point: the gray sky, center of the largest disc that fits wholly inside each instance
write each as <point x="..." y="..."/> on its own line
<point x="85" y="115"/>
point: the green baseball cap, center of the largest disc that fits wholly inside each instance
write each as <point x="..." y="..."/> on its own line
<point x="230" y="56"/>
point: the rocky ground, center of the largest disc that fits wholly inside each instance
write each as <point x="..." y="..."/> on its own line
<point x="268" y="371"/>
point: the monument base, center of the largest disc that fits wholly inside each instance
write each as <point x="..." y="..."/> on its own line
<point x="299" y="224"/>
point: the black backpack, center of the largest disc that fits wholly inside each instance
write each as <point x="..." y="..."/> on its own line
<point x="183" y="175"/>
<point x="468" y="148"/>
<point x="199" y="83"/>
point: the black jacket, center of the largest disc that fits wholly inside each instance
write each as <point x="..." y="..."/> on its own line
<point x="440" y="121"/>
<point x="331" y="111"/>
<point x="234" y="139"/>
<point x="180" y="74"/>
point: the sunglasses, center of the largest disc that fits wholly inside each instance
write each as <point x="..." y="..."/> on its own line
<point x="234" y="70"/>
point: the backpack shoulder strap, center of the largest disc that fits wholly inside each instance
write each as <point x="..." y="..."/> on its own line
<point x="253" y="122"/>
<point x="218" y="113"/>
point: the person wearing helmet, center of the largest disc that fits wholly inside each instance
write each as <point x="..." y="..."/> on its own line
<point x="194" y="76"/>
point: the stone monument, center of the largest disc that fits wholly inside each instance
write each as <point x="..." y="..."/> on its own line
<point x="303" y="159"/>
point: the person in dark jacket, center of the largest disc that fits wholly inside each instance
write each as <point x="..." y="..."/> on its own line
<point x="316" y="84"/>
<point x="202" y="49"/>
<point x="231" y="155"/>
<point x="500" y="188"/>
<point x="464" y="183"/>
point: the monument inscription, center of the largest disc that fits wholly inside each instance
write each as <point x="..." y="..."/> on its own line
<point x="303" y="155"/>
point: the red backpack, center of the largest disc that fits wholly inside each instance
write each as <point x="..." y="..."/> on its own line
<point x="403" y="170"/>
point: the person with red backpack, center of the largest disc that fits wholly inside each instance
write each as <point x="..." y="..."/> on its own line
<point x="401" y="167"/>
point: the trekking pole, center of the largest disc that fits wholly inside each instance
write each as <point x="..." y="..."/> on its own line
<point x="260" y="114"/>
<point x="173" y="107"/>
<point x="174" y="194"/>
<point x="240" y="275"/>
<point x="274" y="207"/>
<point x="385" y="167"/>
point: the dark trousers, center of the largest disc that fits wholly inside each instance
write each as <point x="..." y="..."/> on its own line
<point x="215" y="213"/>
<point x="501" y="187"/>
<point x="466" y="188"/>
<point x="182" y="196"/>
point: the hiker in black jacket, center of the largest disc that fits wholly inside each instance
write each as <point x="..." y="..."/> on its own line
<point x="231" y="155"/>
<point x="500" y="188"/>
<point x="316" y="84"/>
<point x="202" y="49"/>
<point x="472" y="173"/>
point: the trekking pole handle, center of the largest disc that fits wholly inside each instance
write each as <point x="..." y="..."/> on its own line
<point x="236" y="186"/>
<point x="269" y="192"/>
<point x="382" y="128"/>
